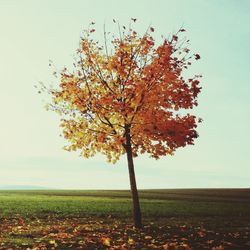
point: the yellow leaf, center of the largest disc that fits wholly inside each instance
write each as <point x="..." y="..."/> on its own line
<point x="131" y="241"/>
<point x="106" y="241"/>
<point x="53" y="242"/>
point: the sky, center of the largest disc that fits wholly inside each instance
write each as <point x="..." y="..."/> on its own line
<point x="35" y="31"/>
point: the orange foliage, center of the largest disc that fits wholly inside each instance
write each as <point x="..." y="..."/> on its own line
<point x="132" y="82"/>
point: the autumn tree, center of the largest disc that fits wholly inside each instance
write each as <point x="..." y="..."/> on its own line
<point x="124" y="97"/>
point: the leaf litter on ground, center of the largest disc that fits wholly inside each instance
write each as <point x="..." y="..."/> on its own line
<point x="112" y="233"/>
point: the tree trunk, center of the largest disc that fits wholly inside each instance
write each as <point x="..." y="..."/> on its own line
<point x="136" y="204"/>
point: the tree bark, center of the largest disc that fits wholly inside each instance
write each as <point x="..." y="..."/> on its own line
<point x="136" y="204"/>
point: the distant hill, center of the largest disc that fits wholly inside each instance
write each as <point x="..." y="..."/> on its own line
<point x="23" y="187"/>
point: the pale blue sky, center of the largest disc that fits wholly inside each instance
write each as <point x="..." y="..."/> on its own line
<point x="32" y="32"/>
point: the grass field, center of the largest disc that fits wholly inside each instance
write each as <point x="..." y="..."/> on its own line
<point x="173" y="219"/>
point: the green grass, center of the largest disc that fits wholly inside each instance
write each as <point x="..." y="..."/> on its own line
<point x="222" y="215"/>
<point x="154" y="203"/>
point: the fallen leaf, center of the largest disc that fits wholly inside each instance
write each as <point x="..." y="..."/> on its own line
<point x="106" y="241"/>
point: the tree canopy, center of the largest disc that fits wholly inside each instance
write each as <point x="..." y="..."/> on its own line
<point x="131" y="84"/>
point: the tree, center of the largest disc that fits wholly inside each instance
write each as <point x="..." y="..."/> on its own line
<point x="124" y="98"/>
